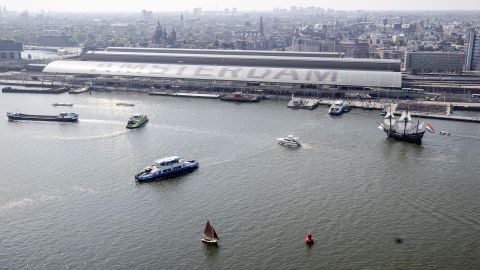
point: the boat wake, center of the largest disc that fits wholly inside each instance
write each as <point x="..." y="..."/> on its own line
<point x="93" y="137"/>
<point x="99" y="121"/>
<point x="27" y="202"/>
<point x="466" y="136"/>
<point x="16" y="204"/>
<point x="307" y="146"/>
<point x="81" y="189"/>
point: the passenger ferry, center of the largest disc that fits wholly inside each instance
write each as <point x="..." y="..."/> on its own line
<point x="137" y="120"/>
<point x="165" y="168"/>
<point x="338" y="108"/>
<point x="290" y="141"/>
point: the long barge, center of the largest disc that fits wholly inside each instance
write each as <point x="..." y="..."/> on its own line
<point x="239" y="97"/>
<point x="62" y="117"/>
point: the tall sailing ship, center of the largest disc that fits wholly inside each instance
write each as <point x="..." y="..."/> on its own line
<point x="403" y="129"/>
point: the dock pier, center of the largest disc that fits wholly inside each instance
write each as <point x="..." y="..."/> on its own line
<point x="179" y="94"/>
<point x="438" y="116"/>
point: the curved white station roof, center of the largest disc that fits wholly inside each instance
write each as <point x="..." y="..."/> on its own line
<point x="231" y="73"/>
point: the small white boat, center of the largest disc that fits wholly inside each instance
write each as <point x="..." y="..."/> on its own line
<point x="62" y="104"/>
<point x="445" y="133"/>
<point x="290" y="141"/>
<point x="338" y="108"/>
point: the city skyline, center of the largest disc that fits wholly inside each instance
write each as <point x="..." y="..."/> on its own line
<point x="247" y="5"/>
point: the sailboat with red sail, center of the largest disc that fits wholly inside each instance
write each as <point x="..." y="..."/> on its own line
<point x="210" y="236"/>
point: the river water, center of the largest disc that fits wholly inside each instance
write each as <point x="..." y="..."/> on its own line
<point x="68" y="198"/>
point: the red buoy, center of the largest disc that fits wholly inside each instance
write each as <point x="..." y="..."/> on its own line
<point x="309" y="239"/>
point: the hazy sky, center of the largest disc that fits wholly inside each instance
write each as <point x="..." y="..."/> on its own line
<point x="181" y="5"/>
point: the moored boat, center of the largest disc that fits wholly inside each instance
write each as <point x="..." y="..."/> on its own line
<point x="290" y="141"/>
<point x="165" y="168"/>
<point x="62" y="104"/>
<point x="62" y="117"/>
<point x="137" y="120"/>
<point x="80" y="90"/>
<point x="240" y="97"/>
<point x="125" y="104"/>
<point x="338" y="107"/>
<point x="210" y="236"/>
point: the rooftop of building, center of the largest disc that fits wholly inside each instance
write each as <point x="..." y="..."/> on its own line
<point x="246" y="60"/>
<point x="333" y="77"/>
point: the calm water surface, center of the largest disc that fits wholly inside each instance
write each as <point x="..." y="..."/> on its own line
<point x="68" y="198"/>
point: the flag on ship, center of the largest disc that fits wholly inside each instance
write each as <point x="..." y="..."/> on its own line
<point x="429" y="127"/>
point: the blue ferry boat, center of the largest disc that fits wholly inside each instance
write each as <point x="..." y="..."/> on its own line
<point x="165" y="168"/>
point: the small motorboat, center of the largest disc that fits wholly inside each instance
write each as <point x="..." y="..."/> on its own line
<point x="290" y="141"/>
<point x="445" y="133"/>
<point x="62" y="104"/>
<point x="210" y="236"/>
<point x="309" y="239"/>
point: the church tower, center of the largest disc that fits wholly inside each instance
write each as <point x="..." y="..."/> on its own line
<point x="260" y="30"/>
<point x="158" y="34"/>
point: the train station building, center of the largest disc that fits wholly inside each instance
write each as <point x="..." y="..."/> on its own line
<point x="228" y="70"/>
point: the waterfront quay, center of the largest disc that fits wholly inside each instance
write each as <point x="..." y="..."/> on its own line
<point x="429" y="109"/>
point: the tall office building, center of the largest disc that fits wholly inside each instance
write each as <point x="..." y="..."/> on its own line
<point x="473" y="52"/>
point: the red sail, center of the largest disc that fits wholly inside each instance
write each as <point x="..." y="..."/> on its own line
<point x="210" y="231"/>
